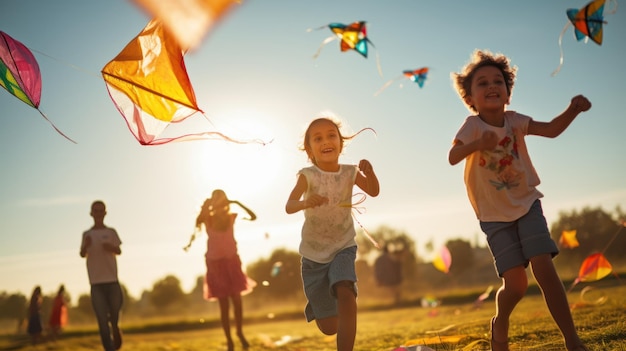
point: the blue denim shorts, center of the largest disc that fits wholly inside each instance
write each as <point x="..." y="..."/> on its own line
<point x="319" y="278"/>
<point x="512" y="244"/>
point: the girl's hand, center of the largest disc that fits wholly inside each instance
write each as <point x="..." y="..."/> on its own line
<point x="580" y="103"/>
<point x="366" y="167"/>
<point x="488" y="141"/>
<point x="315" y="200"/>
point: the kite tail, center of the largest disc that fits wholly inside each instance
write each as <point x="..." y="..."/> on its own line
<point x="326" y="41"/>
<point x="385" y="86"/>
<point x="380" y="69"/>
<point x="55" y="127"/>
<point x="556" y="71"/>
<point x="205" y="136"/>
<point x="614" y="9"/>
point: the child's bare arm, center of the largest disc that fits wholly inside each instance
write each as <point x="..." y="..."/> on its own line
<point x="555" y="127"/>
<point x="460" y="151"/>
<point x="294" y="204"/>
<point x="249" y="211"/>
<point x="366" y="179"/>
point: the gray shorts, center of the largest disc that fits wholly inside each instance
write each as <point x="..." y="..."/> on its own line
<point x="319" y="278"/>
<point x="512" y="244"/>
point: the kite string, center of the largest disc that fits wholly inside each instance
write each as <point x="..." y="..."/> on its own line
<point x="68" y="64"/>
<point x="360" y="210"/>
<point x="622" y="225"/>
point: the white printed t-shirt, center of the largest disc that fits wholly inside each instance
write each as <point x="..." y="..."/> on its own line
<point x="328" y="228"/>
<point x="501" y="183"/>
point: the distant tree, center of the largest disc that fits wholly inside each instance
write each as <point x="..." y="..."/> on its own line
<point x="278" y="275"/>
<point x="197" y="293"/>
<point x="596" y="231"/>
<point x="13" y="306"/>
<point x="84" y="305"/>
<point x="166" y="292"/>
<point x="129" y="302"/>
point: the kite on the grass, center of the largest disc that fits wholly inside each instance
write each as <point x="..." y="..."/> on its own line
<point x="587" y="24"/>
<point x="594" y="267"/>
<point x="417" y="76"/>
<point x="352" y="36"/>
<point x="568" y="239"/>
<point x="20" y="75"/>
<point x="149" y="85"/>
<point x="187" y="20"/>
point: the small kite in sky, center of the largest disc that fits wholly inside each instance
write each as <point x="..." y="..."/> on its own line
<point x="149" y="85"/>
<point x="20" y="75"/>
<point x="568" y="239"/>
<point x="417" y="76"/>
<point x="587" y="24"/>
<point x="352" y="36"/>
<point x="443" y="260"/>
<point x="187" y="20"/>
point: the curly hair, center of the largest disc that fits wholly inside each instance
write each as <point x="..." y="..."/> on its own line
<point x="481" y="58"/>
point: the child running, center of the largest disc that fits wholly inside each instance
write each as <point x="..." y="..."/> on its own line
<point x="501" y="185"/>
<point x="328" y="247"/>
<point x="224" y="280"/>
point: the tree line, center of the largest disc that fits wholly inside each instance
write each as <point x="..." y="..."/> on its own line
<point x="279" y="285"/>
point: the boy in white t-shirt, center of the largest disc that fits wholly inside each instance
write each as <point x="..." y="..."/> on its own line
<point x="101" y="245"/>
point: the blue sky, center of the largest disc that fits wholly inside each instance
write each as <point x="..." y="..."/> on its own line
<point x="254" y="76"/>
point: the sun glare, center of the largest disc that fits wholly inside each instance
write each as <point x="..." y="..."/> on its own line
<point x="241" y="170"/>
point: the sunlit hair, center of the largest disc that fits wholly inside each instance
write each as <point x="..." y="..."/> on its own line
<point x="481" y="58"/>
<point x="306" y="146"/>
<point x="208" y="210"/>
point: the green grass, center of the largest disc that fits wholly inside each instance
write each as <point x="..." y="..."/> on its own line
<point x="451" y="326"/>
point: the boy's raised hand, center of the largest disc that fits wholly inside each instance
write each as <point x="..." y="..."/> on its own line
<point x="581" y="103"/>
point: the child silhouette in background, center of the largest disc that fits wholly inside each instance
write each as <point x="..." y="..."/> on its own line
<point x="225" y="279"/>
<point x="328" y="247"/>
<point x="501" y="185"/>
<point x="58" y="314"/>
<point x="35" y="328"/>
<point x="100" y="246"/>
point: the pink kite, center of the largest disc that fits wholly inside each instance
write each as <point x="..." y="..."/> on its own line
<point x="20" y="76"/>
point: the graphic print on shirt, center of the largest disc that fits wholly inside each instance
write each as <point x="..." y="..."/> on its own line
<point x="501" y="161"/>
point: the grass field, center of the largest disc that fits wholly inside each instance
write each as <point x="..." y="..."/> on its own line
<point x="600" y="316"/>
